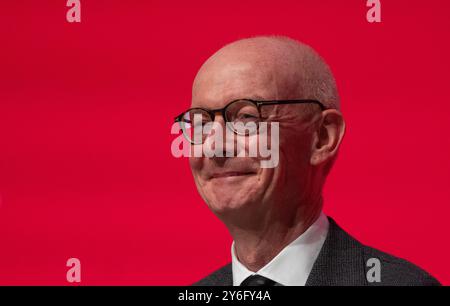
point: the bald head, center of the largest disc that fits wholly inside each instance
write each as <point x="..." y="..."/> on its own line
<point x="289" y="70"/>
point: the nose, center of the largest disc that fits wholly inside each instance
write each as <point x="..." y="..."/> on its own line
<point x="220" y="145"/>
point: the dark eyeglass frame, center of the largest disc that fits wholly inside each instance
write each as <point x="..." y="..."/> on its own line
<point x="258" y="104"/>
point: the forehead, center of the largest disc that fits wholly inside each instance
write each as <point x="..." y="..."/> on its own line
<point x="239" y="76"/>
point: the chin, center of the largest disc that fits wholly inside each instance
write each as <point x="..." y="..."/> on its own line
<point x="225" y="196"/>
<point x="223" y="205"/>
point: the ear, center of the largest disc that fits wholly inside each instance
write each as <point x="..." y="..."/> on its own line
<point x="327" y="137"/>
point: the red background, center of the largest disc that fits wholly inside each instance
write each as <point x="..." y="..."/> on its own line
<point x="86" y="109"/>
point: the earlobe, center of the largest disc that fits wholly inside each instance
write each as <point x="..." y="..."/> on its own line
<point x="328" y="137"/>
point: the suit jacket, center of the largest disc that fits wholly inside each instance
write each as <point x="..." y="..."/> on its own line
<point x="342" y="262"/>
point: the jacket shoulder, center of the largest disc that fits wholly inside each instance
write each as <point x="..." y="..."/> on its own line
<point x="220" y="277"/>
<point x="395" y="271"/>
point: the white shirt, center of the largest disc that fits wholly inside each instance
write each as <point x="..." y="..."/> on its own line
<point x="291" y="267"/>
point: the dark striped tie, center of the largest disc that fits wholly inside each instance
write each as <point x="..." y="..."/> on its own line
<point x="258" y="280"/>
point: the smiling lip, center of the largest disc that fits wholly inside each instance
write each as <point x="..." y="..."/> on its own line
<point x="231" y="174"/>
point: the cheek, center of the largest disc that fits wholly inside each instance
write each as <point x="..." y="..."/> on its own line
<point x="196" y="164"/>
<point x="296" y="147"/>
<point x="294" y="160"/>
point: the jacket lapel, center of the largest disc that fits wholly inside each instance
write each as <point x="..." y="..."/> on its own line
<point x="340" y="262"/>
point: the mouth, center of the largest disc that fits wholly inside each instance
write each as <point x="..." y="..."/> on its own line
<point x="231" y="174"/>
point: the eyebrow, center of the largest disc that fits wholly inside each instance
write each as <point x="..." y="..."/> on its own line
<point x="256" y="97"/>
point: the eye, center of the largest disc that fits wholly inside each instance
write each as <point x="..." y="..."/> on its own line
<point x="246" y="117"/>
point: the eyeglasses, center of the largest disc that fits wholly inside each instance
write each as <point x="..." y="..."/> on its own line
<point x="241" y="116"/>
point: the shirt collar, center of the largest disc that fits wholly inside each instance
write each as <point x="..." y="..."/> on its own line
<point x="292" y="266"/>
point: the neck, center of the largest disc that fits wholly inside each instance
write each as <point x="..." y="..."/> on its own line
<point x="257" y="246"/>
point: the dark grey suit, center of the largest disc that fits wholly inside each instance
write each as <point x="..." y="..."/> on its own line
<point x="342" y="262"/>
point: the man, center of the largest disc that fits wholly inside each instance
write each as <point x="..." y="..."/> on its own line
<point x="274" y="214"/>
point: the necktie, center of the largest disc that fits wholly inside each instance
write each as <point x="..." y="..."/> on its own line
<point x="258" y="280"/>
